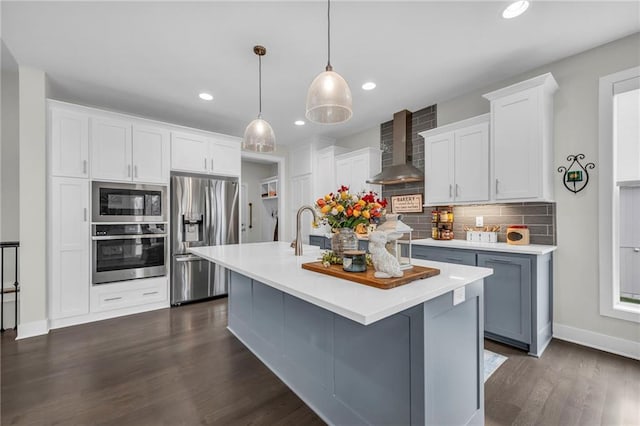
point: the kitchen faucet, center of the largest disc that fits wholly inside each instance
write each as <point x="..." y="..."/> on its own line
<point x="297" y="243"/>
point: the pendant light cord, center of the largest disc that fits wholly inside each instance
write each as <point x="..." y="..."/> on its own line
<point x="259" y="85"/>
<point x="329" y="35"/>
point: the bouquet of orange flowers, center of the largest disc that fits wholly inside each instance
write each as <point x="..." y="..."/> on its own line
<point x="344" y="210"/>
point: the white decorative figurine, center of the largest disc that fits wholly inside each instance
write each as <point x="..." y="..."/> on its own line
<point x="385" y="264"/>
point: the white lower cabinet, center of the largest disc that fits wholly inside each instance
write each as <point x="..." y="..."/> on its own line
<point x="70" y="260"/>
<point x="125" y="294"/>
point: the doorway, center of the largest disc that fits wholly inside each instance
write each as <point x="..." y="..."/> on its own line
<point x="261" y="198"/>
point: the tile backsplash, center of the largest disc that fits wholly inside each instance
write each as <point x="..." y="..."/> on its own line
<point x="539" y="217"/>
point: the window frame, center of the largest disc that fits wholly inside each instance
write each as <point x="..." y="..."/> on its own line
<point x="609" y="203"/>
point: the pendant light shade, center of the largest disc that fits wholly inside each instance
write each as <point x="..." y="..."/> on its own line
<point x="329" y="97"/>
<point x="259" y="136"/>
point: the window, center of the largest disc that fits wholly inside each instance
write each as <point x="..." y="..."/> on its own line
<point x="619" y="189"/>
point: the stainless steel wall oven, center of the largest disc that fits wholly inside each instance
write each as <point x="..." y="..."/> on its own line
<point x="128" y="251"/>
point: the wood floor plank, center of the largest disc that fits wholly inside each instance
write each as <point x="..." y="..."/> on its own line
<point x="182" y="366"/>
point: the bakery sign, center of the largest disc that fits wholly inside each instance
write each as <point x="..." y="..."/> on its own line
<point x="406" y="203"/>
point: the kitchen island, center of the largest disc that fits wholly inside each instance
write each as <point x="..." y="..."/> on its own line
<point x="356" y="354"/>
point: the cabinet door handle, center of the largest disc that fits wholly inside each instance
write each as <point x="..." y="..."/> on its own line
<point x="497" y="181"/>
<point x="84" y="167"/>
<point x="205" y="164"/>
<point x="111" y="299"/>
<point x="508" y="262"/>
<point x="636" y="249"/>
<point x="212" y="164"/>
<point x="84" y="214"/>
<point x="454" y="259"/>
<point x="129" y="170"/>
<point x="450" y="190"/>
<point x="150" y="293"/>
<point x="457" y="190"/>
<point x="135" y="171"/>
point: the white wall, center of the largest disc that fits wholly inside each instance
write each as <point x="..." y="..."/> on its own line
<point x="33" y="296"/>
<point x="365" y="139"/>
<point x="9" y="212"/>
<point x="263" y="225"/>
<point x="576" y="287"/>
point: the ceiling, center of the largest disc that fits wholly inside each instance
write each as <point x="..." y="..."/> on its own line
<point x="153" y="58"/>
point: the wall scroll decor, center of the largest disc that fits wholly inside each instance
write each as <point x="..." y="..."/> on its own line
<point x="576" y="176"/>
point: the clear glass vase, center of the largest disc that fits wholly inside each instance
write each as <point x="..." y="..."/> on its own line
<point x="343" y="240"/>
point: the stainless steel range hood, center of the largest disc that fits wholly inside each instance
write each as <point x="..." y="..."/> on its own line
<point x="399" y="171"/>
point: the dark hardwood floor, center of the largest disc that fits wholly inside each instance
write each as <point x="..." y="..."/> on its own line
<point x="182" y="367"/>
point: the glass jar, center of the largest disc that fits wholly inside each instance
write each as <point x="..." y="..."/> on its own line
<point x="344" y="240"/>
<point x="354" y="261"/>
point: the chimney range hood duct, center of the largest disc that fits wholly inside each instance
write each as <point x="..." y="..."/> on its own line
<point x="399" y="171"/>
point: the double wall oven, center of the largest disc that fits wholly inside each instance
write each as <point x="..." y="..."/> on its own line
<point x="129" y="231"/>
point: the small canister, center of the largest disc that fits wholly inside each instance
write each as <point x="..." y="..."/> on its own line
<point x="518" y="235"/>
<point x="354" y="261"/>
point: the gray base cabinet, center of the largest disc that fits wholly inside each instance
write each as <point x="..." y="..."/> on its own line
<point x="518" y="297"/>
<point x="422" y="366"/>
<point x="507" y="305"/>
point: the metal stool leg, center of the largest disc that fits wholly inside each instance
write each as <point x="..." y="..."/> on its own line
<point x="2" y="293"/>
<point x="15" y="298"/>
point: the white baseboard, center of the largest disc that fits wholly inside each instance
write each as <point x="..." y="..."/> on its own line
<point x="32" y="329"/>
<point x="99" y="316"/>
<point x="603" y="342"/>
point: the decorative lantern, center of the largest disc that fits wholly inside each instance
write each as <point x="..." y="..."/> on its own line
<point x="396" y="230"/>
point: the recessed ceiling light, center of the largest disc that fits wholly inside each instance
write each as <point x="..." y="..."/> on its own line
<point x="369" y="85"/>
<point x="299" y="123"/>
<point x="516" y="8"/>
<point x="206" y="96"/>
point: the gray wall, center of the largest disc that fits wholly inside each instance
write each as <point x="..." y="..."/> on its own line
<point x="9" y="212"/>
<point x="576" y="261"/>
<point x="368" y="138"/>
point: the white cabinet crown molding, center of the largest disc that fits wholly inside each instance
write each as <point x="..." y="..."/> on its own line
<point x="479" y="119"/>
<point x="546" y="80"/>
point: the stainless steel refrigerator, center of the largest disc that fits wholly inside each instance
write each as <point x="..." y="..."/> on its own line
<point x="204" y="212"/>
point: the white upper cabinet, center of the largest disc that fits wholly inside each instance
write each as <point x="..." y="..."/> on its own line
<point x="457" y="162"/>
<point x="325" y="170"/>
<point x="111" y="149"/>
<point x="225" y="156"/>
<point x="150" y="154"/>
<point x="189" y="152"/>
<point x="354" y="168"/>
<point x="439" y="168"/>
<point x="522" y="140"/>
<point x="69" y="136"/>
<point x="127" y="151"/>
<point x="218" y="155"/>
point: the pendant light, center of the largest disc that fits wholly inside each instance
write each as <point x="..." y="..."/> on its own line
<point x="259" y="136"/>
<point x="329" y="96"/>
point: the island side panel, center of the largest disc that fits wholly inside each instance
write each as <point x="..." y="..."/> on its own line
<point x="454" y="358"/>
<point x="349" y="373"/>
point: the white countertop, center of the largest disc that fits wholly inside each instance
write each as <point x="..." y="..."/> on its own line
<point x="537" y="249"/>
<point x="274" y="264"/>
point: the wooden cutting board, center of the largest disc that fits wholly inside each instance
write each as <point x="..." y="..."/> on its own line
<point x="367" y="278"/>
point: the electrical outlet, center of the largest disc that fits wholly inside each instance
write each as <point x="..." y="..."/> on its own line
<point x="479" y="220"/>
